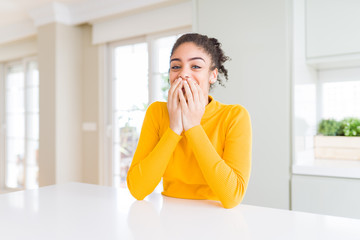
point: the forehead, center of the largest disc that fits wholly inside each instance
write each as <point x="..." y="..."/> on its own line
<point x="189" y="50"/>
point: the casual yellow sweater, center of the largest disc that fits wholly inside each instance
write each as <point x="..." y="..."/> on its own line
<point x="209" y="161"/>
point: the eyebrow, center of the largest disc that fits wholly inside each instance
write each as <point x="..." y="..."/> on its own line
<point x="191" y="59"/>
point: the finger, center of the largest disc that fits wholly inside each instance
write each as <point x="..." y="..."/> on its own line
<point x="179" y="87"/>
<point x="201" y="95"/>
<point x="183" y="103"/>
<point x="194" y="90"/>
<point x="174" y="97"/>
<point x="189" y="94"/>
<point x="174" y="86"/>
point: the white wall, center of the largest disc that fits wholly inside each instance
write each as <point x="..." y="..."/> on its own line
<point x="47" y="92"/>
<point x="60" y="66"/>
<point x="90" y="108"/>
<point x="2" y="128"/>
<point x="255" y="34"/>
<point x="18" y="49"/>
<point x="69" y="75"/>
<point x="305" y="89"/>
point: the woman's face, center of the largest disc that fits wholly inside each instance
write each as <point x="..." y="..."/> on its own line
<point x="191" y="62"/>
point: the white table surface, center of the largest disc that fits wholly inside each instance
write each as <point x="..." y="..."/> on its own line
<point x="83" y="211"/>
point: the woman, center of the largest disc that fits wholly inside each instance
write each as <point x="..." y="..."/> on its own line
<point x="199" y="146"/>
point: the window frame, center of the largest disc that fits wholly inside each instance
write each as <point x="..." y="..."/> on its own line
<point x="107" y="94"/>
<point x="3" y="125"/>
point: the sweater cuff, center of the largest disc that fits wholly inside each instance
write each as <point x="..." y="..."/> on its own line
<point x="172" y="135"/>
<point x="195" y="132"/>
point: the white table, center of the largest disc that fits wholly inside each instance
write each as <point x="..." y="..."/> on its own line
<point x="83" y="211"/>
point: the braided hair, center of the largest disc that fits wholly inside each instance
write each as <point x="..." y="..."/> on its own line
<point x="212" y="47"/>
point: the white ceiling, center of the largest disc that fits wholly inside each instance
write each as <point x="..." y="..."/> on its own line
<point x="14" y="11"/>
<point x="20" y="18"/>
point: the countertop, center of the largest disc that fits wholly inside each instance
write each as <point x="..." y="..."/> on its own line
<point x="84" y="211"/>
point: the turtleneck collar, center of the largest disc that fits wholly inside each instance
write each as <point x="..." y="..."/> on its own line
<point x="211" y="107"/>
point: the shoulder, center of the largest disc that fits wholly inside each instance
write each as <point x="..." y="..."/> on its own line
<point x="157" y="109"/>
<point x="235" y="111"/>
<point x="237" y="119"/>
<point x="157" y="106"/>
<point x="155" y="115"/>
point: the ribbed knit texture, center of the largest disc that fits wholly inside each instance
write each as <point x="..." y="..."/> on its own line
<point x="209" y="161"/>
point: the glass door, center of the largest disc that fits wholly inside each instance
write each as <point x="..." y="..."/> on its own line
<point x="22" y="125"/>
<point x="139" y="77"/>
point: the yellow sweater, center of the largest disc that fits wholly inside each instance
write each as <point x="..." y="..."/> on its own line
<point x="209" y="161"/>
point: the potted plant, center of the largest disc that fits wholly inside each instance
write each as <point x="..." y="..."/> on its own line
<point x="338" y="139"/>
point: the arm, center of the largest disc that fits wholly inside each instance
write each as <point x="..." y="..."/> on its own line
<point x="152" y="154"/>
<point x="227" y="176"/>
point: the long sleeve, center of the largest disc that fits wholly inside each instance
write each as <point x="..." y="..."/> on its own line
<point x="226" y="175"/>
<point x="152" y="154"/>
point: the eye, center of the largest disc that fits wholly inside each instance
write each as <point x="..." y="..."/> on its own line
<point x="175" y="67"/>
<point x="196" y="67"/>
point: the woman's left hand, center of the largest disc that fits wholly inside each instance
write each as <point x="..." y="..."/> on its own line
<point x="192" y="104"/>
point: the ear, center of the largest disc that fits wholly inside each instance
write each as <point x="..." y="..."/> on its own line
<point x="213" y="76"/>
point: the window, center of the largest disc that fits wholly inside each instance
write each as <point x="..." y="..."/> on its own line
<point x="130" y="87"/>
<point x="139" y="76"/>
<point x="341" y="99"/>
<point x="338" y="93"/>
<point x="21" y="125"/>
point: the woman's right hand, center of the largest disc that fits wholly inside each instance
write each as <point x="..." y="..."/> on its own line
<point x="174" y="107"/>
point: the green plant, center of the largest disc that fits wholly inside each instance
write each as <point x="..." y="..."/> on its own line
<point x="351" y="127"/>
<point x="340" y="131"/>
<point x="346" y="127"/>
<point x="329" y="127"/>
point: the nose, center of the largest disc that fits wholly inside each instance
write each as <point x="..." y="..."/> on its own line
<point x="184" y="74"/>
<point x="184" y="77"/>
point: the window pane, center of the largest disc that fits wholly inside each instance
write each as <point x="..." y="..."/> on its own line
<point x="130" y="101"/>
<point x="15" y="125"/>
<point x="131" y="72"/>
<point x="15" y="100"/>
<point x="32" y="177"/>
<point x="341" y="99"/>
<point x="130" y="96"/>
<point x="22" y="125"/>
<point x="14" y="175"/>
<point x="32" y="99"/>
<point x="32" y="162"/>
<point x="33" y="74"/>
<point x="33" y="126"/>
<point x="15" y="162"/>
<point x="32" y="153"/>
<point x="163" y="48"/>
<point x="15" y="77"/>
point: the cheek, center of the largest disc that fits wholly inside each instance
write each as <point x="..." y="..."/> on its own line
<point x="205" y="87"/>
<point x="204" y="83"/>
<point x="172" y="77"/>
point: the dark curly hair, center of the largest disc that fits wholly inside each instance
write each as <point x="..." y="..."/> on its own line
<point x="212" y="47"/>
